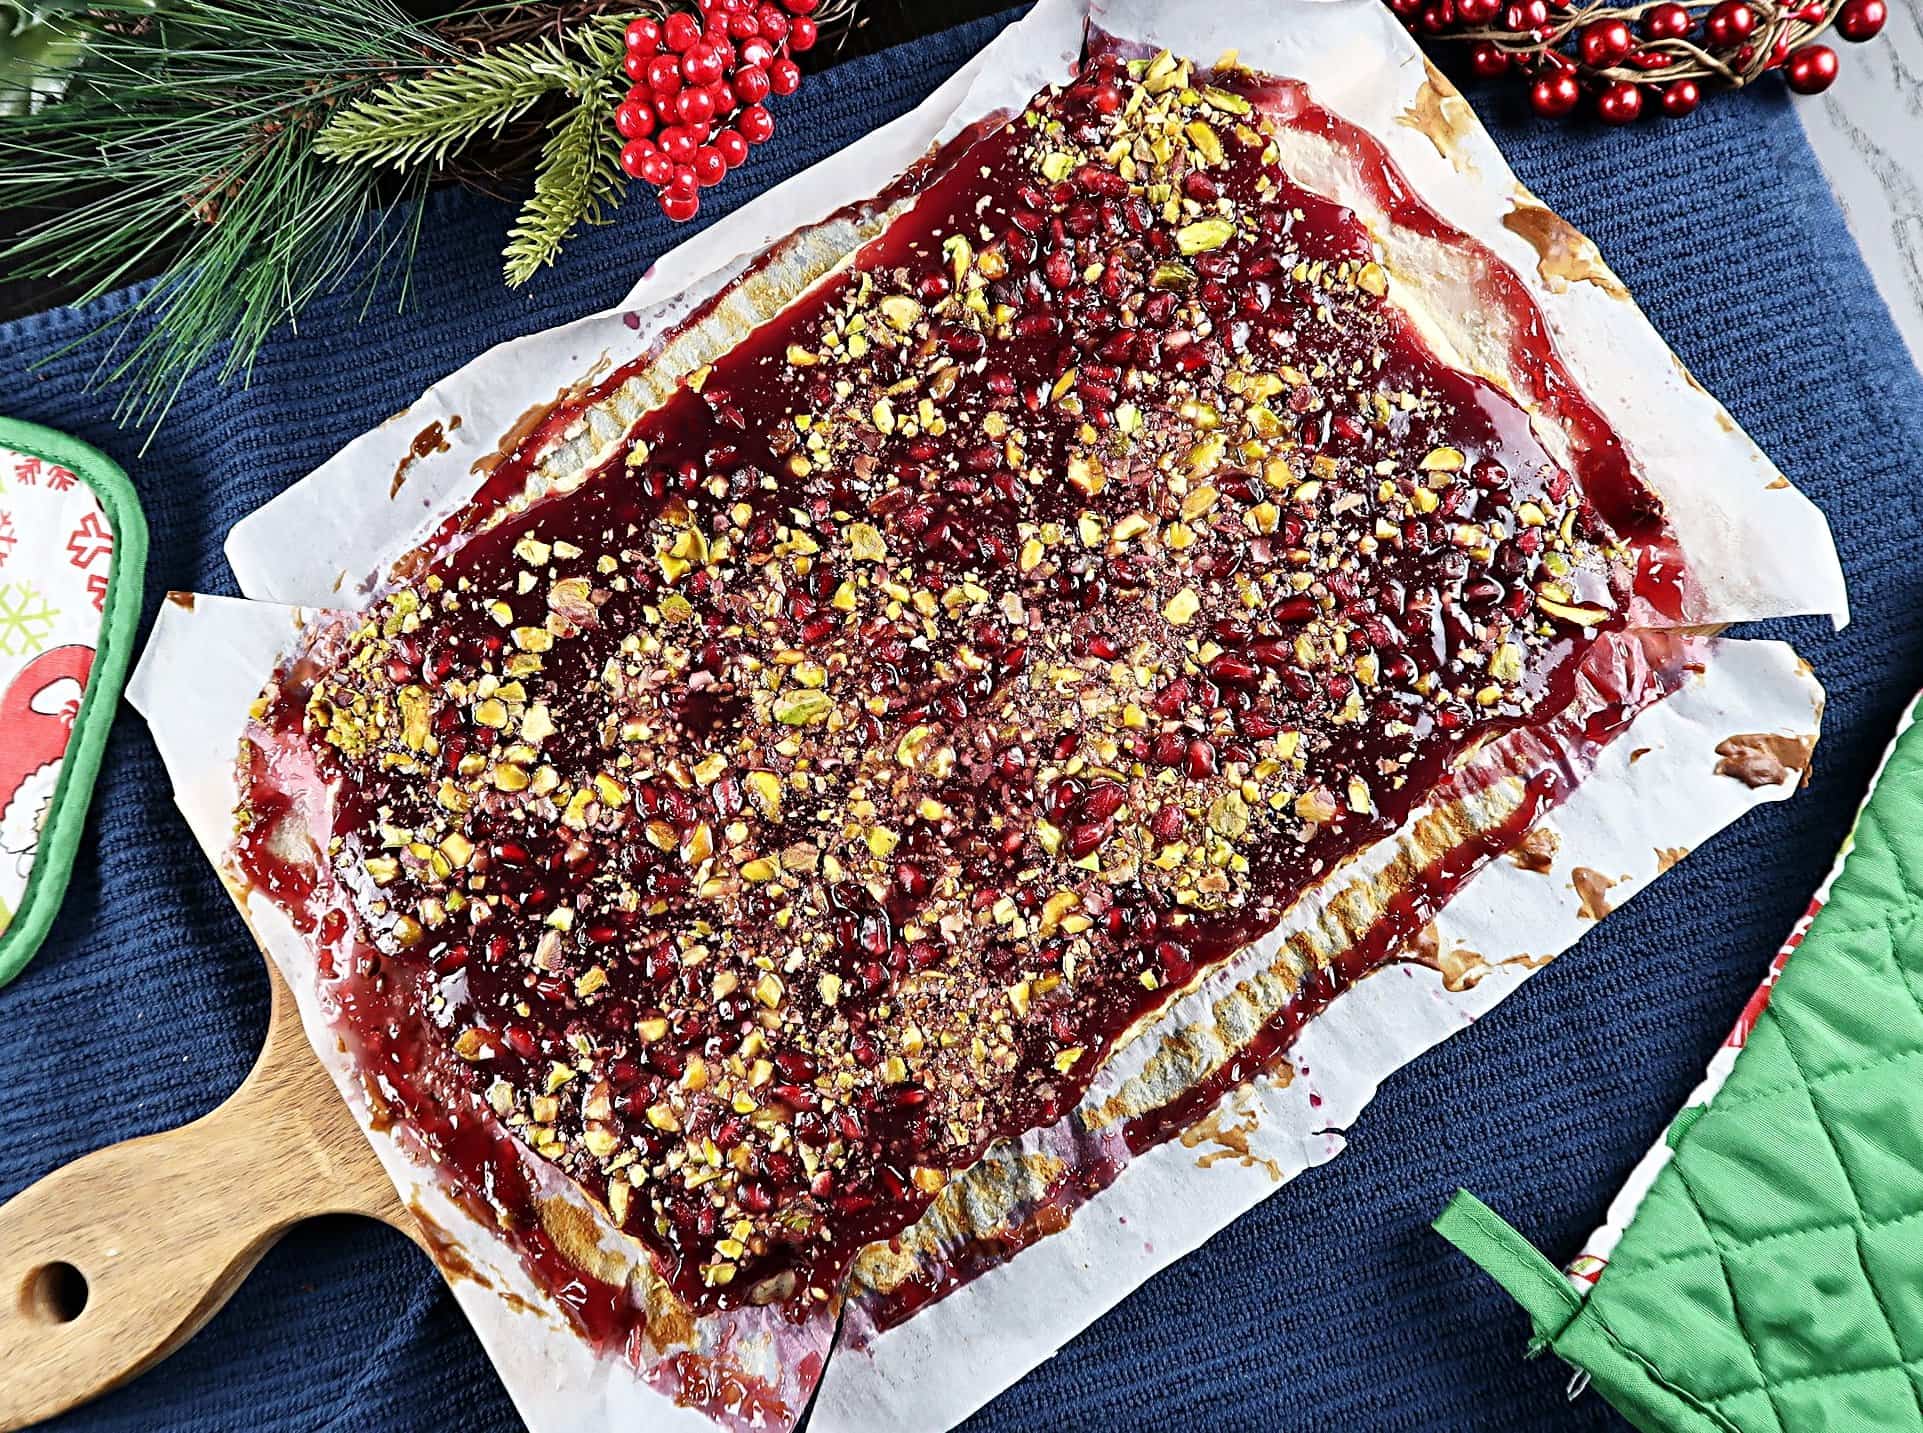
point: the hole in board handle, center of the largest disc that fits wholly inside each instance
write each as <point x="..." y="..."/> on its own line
<point x="55" y="1293"/>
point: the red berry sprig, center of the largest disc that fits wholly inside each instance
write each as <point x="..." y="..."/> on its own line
<point x="700" y="82"/>
<point x="1652" y="56"/>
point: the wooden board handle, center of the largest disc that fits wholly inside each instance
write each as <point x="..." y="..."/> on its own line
<point x="110" y="1264"/>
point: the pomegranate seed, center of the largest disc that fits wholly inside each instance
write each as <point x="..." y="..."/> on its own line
<point x="1104" y="799"/>
<point x="1062" y="798"/>
<point x="1086" y="840"/>
<point x="796" y="1097"/>
<point x="1174" y="962"/>
<point x="1230" y="668"/>
<point x="1481" y="591"/>
<point x="797" y="1065"/>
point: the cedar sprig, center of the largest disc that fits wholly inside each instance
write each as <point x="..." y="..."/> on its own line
<point x="425" y="118"/>
<point x="580" y="176"/>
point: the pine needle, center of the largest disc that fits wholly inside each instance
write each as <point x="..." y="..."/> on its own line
<point x="252" y="145"/>
<point x="188" y="133"/>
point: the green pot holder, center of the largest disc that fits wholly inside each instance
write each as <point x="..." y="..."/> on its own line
<point x="73" y="552"/>
<point x="1764" y="1269"/>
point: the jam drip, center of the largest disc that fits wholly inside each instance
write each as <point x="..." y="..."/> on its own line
<point x="999" y="639"/>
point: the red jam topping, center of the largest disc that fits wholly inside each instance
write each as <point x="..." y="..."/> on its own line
<point x="1007" y="633"/>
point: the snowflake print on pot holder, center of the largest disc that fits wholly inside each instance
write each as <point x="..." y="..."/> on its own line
<point x="73" y="551"/>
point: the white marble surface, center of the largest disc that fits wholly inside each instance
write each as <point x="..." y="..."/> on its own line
<point x="1868" y="134"/>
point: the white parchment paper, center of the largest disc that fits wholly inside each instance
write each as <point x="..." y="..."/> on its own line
<point x="1756" y="545"/>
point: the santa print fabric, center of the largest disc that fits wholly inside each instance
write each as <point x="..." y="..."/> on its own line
<point x="70" y="536"/>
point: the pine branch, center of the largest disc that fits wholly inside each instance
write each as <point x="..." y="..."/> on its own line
<point x="247" y="148"/>
<point x="580" y="174"/>
<point x="187" y="133"/>
<point x="426" y="117"/>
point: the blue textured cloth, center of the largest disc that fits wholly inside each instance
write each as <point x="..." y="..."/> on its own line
<point x="1331" y="1303"/>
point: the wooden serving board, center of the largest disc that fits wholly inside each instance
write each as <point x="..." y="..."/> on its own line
<point x="118" y="1259"/>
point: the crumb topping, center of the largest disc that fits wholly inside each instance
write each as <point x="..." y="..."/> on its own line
<point x="1005" y="634"/>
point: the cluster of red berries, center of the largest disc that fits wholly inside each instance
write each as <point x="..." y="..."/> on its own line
<point x="1662" y="56"/>
<point x="699" y="83"/>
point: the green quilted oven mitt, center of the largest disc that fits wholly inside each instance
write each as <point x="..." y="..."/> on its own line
<point x="1763" y="1269"/>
